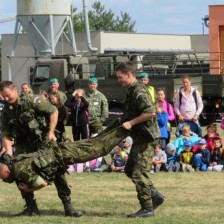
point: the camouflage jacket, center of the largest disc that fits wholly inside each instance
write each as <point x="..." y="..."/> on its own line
<point x="27" y="122"/>
<point x="27" y="168"/>
<point x="98" y="106"/>
<point x="139" y="101"/>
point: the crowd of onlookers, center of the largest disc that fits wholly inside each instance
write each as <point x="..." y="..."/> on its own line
<point x="89" y="110"/>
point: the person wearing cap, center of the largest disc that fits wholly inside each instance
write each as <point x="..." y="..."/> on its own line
<point x="98" y="107"/>
<point x="202" y="156"/>
<point x="217" y="156"/>
<point x="119" y="158"/>
<point x="144" y="79"/>
<point x="186" y="157"/>
<point x="172" y="164"/>
<point x="54" y="88"/>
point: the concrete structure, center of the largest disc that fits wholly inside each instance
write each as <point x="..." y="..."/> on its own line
<point x="44" y="21"/>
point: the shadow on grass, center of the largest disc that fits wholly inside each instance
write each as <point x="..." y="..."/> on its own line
<point x="54" y="212"/>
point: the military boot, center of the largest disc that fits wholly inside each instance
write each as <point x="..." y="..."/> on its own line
<point x="157" y="198"/>
<point x="31" y="208"/>
<point x="142" y="213"/>
<point x="69" y="210"/>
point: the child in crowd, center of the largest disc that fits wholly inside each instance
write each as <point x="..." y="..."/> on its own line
<point x="217" y="156"/>
<point x="186" y="135"/>
<point x="172" y="164"/>
<point x="168" y="108"/>
<point x="62" y="116"/>
<point x="186" y="157"/>
<point x="202" y="156"/>
<point x="211" y="133"/>
<point x="128" y="141"/>
<point x="162" y="117"/>
<point x="158" y="160"/>
<point x="79" y="114"/>
<point x="119" y="158"/>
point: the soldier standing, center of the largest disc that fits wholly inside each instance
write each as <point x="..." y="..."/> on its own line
<point x="138" y="110"/>
<point x="144" y="78"/>
<point x="98" y="107"/>
<point x="30" y="122"/>
<point x="54" y="88"/>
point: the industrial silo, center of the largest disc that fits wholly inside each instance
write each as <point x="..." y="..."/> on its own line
<point x="45" y="21"/>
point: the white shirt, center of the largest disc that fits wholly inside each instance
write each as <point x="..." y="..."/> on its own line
<point x="188" y="107"/>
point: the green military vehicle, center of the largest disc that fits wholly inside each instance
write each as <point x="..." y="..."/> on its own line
<point x="165" y="69"/>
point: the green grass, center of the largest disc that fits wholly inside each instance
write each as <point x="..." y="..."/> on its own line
<point x="109" y="197"/>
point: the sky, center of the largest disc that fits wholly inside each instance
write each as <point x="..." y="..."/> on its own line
<point x="151" y="16"/>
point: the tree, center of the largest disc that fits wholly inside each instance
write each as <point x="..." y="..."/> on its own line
<point x="102" y="19"/>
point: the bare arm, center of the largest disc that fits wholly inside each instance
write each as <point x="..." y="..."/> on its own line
<point x="53" y="123"/>
<point x="25" y="187"/>
<point x="140" y="119"/>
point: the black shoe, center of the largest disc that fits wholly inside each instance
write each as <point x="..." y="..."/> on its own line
<point x="157" y="199"/>
<point x="73" y="213"/>
<point x="28" y="212"/>
<point x="142" y="213"/>
<point x="69" y="210"/>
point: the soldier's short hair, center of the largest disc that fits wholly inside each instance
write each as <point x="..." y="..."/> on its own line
<point x="6" y="84"/>
<point x="125" y="67"/>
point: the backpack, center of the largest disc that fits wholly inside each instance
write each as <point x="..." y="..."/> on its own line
<point x="194" y="96"/>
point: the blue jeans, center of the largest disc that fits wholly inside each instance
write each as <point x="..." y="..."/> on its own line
<point x="198" y="163"/>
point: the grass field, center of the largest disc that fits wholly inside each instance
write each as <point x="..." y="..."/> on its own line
<point x="109" y="197"/>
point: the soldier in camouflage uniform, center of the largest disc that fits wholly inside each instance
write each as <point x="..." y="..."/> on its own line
<point x="138" y="108"/>
<point x="33" y="171"/>
<point x="98" y="107"/>
<point x="30" y="122"/>
<point x="54" y="88"/>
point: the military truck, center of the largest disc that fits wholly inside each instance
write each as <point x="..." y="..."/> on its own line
<point x="165" y="69"/>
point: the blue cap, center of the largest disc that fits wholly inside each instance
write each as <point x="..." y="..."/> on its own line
<point x="143" y="75"/>
<point x="92" y="80"/>
<point x="53" y="80"/>
<point x="170" y="147"/>
<point x="188" y="143"/>
<point x="202" y="141"/>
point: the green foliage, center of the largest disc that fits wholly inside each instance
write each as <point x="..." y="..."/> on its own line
<point x="102" y="19"/>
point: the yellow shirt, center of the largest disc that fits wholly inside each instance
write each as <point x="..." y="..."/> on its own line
<point x="186" y="157"/>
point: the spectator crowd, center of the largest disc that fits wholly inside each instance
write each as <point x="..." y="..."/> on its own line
<point x="190" y="151"/>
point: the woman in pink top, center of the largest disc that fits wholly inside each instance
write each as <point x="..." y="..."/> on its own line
<point x="161" y="96"/>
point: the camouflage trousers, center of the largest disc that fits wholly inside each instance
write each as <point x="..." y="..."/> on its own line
<point x="89" y="149"/>
<point x="95" y="127"/>
<point x="137" y="168"/>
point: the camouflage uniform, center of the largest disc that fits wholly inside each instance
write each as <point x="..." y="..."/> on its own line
<point x="27" y="123"/>
<point x="98" y="111"/>
<point x="138" y="165"/>
<point x="52" y="157"/>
